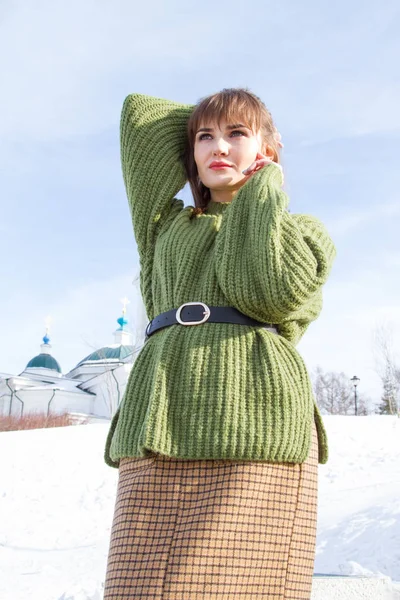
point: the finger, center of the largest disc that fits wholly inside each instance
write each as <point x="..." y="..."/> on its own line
<point x="266" y="161"/>
<point x="249" y="169"/>
<point x="257" y="165"/>
<point x="262" y="163"/>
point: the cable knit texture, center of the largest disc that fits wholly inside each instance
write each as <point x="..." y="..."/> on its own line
<point x="217" y="390"/>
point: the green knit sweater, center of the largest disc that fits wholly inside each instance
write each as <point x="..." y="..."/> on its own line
<point x="217" y="390"/>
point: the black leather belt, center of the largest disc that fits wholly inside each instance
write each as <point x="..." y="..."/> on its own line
<point x="196" y="313"/>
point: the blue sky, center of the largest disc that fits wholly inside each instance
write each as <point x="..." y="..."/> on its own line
<point x="328" y="73"/>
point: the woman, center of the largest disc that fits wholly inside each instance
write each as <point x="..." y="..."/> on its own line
<point x="218" y="437"/>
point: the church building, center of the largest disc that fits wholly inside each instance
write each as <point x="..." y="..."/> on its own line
<point x="93" y="388"/>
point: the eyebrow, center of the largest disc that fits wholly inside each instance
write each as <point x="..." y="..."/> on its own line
<point x="235" y="126"/>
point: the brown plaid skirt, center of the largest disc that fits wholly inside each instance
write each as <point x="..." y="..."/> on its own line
<point x="211" y="529"/>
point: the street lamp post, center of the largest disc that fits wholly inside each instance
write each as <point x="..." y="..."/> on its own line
<point x="355" y="381"/>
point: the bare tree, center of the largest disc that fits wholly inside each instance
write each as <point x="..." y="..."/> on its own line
<point x="388" y="369"/>
<point x="335" y="395"/>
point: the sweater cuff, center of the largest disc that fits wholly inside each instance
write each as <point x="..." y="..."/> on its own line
<point x="272" y="173"/>
<point x="269" y="177"/>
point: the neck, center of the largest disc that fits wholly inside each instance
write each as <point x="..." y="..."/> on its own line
<point x="222" y="195"/>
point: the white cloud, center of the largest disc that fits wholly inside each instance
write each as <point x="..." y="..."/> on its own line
<point x="391" y="260"/>
<point x="63" y="63"/>
<point x="356" y="218"/>
<point x="67" y="66"/>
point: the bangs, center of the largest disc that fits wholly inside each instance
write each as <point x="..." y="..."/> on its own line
<point x="233" y="106"/>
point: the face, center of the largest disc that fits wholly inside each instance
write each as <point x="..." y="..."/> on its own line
<point x="233" y="144"/>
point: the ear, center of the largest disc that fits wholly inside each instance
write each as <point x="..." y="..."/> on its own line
<point x="269" y="151"/>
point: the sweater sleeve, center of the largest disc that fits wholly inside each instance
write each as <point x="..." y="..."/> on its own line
<point x="270" y="263"/>
<point x="153" y="136"/>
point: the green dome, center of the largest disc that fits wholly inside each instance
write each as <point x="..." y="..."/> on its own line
<point x="44" y="361"/>
<point x="107" y="353"/>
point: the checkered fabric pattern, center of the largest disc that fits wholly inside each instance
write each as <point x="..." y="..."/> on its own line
<point x="211" y="529"/>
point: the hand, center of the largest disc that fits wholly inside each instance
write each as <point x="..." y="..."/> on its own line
<point x="260" y="162"/>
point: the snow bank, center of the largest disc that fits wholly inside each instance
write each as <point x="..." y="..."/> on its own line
<point x="57" y="499"/>
<point x="359" y="491"/>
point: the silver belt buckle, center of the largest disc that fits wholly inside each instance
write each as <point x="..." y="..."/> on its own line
<point x="207" y="313"/>
<point x="146" y="332"/>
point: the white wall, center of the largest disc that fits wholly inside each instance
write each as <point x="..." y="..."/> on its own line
<point x="37" y="401"/>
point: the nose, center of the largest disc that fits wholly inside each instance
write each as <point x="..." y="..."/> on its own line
<point x="220" y="148"/>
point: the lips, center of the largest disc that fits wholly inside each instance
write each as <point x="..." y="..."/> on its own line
<point x="219" y="165"/>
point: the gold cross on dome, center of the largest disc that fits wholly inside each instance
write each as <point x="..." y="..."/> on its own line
<point x="47" y="322"/>
<point x="124" y="301"/>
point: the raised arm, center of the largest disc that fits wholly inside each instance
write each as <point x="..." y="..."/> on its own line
<point x="270" y="263"/>
<point x="153" y="135"/>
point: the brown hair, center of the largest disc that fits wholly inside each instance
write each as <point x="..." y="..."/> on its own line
<point x="231" y="104"/>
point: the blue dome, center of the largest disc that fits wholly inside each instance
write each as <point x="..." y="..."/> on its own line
<point x="44" y="361"/>
<point x="107" y="353"/>
<point x="122" y="322"/>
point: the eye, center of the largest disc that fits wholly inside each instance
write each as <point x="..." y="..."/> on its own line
<point x="204" y="136"/>
<point x="238" y="131"/>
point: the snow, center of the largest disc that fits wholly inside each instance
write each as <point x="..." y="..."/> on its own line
<point x="359" y="490"/>
<point x="57" y="499"/>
